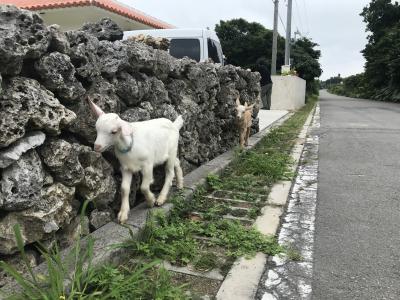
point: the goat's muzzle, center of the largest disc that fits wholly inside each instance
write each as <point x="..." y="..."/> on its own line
<point x="97" y="148"/>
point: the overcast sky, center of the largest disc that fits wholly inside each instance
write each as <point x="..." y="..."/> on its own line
<point x="334" y="24"/>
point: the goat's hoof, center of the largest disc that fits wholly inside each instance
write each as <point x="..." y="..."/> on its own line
<point x="150" y="204"/>
<point x="122" y="217"/>
<point x="159" y="202"/>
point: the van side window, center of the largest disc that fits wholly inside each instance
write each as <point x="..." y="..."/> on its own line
<point x="180" y="48"/>
<point x="214" y="51"/>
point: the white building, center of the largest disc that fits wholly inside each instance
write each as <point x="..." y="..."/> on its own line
<point x="72" y="14"/>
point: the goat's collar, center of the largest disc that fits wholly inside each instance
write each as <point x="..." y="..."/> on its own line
<point x="127" y="149"/>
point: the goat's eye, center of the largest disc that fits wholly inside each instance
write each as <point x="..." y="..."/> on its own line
<point x="114" y="131"/>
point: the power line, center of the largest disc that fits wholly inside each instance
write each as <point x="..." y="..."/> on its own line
<point x="280" y="18"/>
<point x="306" y="14"/>
<point x="283" y="24"/>
<point x="299" y="15"/>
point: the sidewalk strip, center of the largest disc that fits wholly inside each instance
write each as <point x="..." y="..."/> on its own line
<point x="242" y="280"/>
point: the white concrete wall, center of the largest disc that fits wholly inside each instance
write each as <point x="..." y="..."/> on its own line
<point x="288" y="92"/>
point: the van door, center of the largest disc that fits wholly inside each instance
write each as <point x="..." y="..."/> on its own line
<point x="215" y="51"/>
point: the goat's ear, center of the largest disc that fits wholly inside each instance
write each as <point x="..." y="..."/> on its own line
<point x="237" y="101"/>
<point x="250" y="107"/>
<point x="95" y="109"/>
<point x="125" y="128"/>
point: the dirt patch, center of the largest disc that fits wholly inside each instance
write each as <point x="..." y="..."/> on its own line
<point x="197" y="286"/>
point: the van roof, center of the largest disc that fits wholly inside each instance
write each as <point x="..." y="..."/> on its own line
<point x="174" y="33"/>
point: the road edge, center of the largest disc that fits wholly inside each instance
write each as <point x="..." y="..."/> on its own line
<point x="242" y="280"/>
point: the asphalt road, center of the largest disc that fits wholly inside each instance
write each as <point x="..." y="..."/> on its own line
<point x="357" y="241"/>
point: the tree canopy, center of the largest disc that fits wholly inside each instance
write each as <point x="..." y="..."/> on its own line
<point x="305" y="61"/>
<point x="249" y="45"/>
<point x="244" y="43"/>
<point x="381" y="79"/>
<point x="382" y="52"/>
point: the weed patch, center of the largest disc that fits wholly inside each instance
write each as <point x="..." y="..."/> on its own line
<point x="293" y="254"/>
<point x="174" y="239"/>
<point x="74" y="277"/>
<point x="248" y="178"/>
<point x="185" y="236"/>
<point x="137" y="281"/>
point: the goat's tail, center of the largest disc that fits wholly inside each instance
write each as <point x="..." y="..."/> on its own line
<point x="178" y="123"/>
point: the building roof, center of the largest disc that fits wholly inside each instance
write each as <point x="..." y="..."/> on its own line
<point x="110" y="5"/>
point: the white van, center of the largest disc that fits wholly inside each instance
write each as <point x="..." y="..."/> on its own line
<point x="198" y="44"/>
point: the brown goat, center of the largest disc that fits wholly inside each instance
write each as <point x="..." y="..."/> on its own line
<point x="244" y="113"/>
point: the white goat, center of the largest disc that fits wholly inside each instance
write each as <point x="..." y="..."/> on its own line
<point x="244" y="113"/>
<point x="139" y="146"/>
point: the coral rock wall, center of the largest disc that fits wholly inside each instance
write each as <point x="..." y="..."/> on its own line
<point x="47" y="166"/>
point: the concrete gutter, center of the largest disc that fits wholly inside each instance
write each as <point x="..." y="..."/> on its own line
<point x="242" y="280"/>
<point x="113" y="233"/>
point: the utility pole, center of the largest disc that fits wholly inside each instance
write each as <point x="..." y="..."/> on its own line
<point x="275" y="38"/>
<point x="288" y="33"/>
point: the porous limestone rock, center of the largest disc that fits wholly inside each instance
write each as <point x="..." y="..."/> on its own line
<point x="52" y="212"/>
<point x="58" y="40"/>
<point x="105" y="29"/>
<point x="25" y="103"/>
<point x="98" y="184"/>
<point x="22" y="36"/>
<point x="57" y="74"/>
<point x="21" y="183"/>
<point x="30" y="141"/>
<point x="98" y="218"/>
<point x="61" y="159"/>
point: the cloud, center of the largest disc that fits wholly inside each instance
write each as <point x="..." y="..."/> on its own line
<point x="334" y="24"/>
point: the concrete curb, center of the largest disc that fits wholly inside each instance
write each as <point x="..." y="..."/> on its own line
<point x="113" y="233"/>
<point x="242" y="280"/>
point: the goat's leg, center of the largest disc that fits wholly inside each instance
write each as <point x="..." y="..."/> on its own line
<point x="178" y="174"/>
<point x="241" y="139"/>
<point x="125" y="189"/>
<point x="246" y="143"/>
<point x="147" y="179"/>
<point x="169" y="176"/>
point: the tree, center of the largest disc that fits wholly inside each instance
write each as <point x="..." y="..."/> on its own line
<point x="249" y="45"/>
<point x="305" y="61"/>
<point x="382" y="52"/>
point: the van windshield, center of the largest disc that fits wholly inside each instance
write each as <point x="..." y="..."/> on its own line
<point x="180" y="48"/>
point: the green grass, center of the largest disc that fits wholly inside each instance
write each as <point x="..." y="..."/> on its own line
<point x="66" y="277"/>
<point x="254" y="212"/>
<point x="293" y="254"/>
<point x="163" y="239"/>
<point x="254" y="170"/>
<point x="137" y="281"/>
<point x="74" y="277"/>
<point x="174" y="238"/>
<point x="206" y="261"/>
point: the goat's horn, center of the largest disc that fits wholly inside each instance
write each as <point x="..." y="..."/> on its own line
<point x="96" y="110"/>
